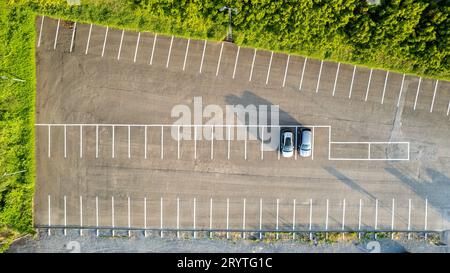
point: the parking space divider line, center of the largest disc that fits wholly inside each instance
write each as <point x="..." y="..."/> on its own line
<point x="277" y="215"/>
<point x="186" y="54"/>
<point x="434" y="95"/>
<point x="170" y="51"/>
<point x="145" y="141"/>
<point x="65" y="141"/>
<point x="96" y="215"/>
<point x="129" y="216"/>
<point x="49" y="206"/>
<point x="178" y="217"/>
<point x="104" y="41"/>
<point x="112" y="141"/>
<point x="210" y="216"/>
<point x="120" y="46"/>
<point x="409" y="218"/>
<point x="40" y="31"/>
<point x="312" y="145"/>
<point x="376" y="216"/>
<point x="56" y="34"/>
<point x="286" y="70"/>
<point x="203" y="56"/>
<point x="253" y="64"/>
<point x="243" y="218"/>
<point x="195" y="217"/>
<point x="161" y="217"/>
<point x="385" y="85"/>
<point x="426" y="217"/>
<point x="343" y="214"/>
<point x="336" y="78"/>
<point x="81" y="141"/>
<point x="88" y="40"/>
<point x="212" y="142"/>
<point x="195" y="142"/>
<point x="220" y="58"/>
<point x="300" y="86"/>
<point x="245" y="141"/>
<point x="236" y="61"/>
<point x="448" y="108"/>
<point x="327" y="215"/>
<point x="401" y="90"/>
<point x="296" y="143"/>
<point x="229" y="142"/>
<point x="178" y="142"/>
<point x="73" y="36"/>
<point x="260" y="218"/>
<point x="417" y="93"/>
<point x="359" y="218"/>
<point x="137" y="46"/>
<point x="320" y="75"/>
<point x="293" y="219"/>
<point x="268" y="70"/>
<point x="310" y="218"/>
<point x="145" y="216"/>
<point x="228" y="218"/>
<point x="392" y="217"/>
<point x="65" y="215"/>
<point x="81" y="215"/>
<point x="262" y="143"/>
<point x="368" y="84"/>
<point x="112" y="215"/>
<point x="351" y="83"/>
<point x="153" y="48"/>
<point x="96" y="141"/>
<point x="49" y="140"/>
<point x="162" y="142"/>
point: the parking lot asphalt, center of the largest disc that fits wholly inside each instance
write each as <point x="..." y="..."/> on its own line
<point x="98" y="165"/>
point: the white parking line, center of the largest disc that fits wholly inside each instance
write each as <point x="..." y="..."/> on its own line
<point x="145" y="216"/>
<point x="81" y="141"/>
<point x="312" y="145"/>
<point x="212" y="142"/>
<point x="129" y="141"/>
<point x="384" y="88"/>
<point x="228" y="217"/>
<point x="112" y="141"/>
<point x="343" y="215"/>
<point x="426" y="217"/>
<point x="245" y="140"/>
<point x="296" y="143"/>
<point x="243" y="218"/>
<point x="210" y="216"/>
<point x="178" y="142"/>
<point x="351" y="83"/>
<point x="448" y="107"/>
<point x="359" y="216"/>
<point x="320" y="75"/>
<point x="195" y="142"/>
<point x="310" y="218"/>
<point x="145" y="141"/>
<point x="376" y="214"/>
<point x="336" y="78"/>
<point x="220" y="58"/>
<point x="253" y="64"/>
<point x="104" y="41"/>
<point x="401" y="90"/>
<point x="162" y="142"/>
<point x="170" y="51"/>
<point x="434" y="95"/>
<point x="49" y="140"/>
<point x="161" y="217"/>
<point x="153" y="48"/>
<point x="368" y="84"/>
<point x="49" y="206"/>
<point x="286" y="69"/>
<point x="293" y="219"/>
<point x="120" y="45"/>
<point x="195" y="209"/>
<point x="203" y="57"/>
<point x="186" y="54"/>
<point x="96" y="141"/>
<point x="56" y="34"/>
<point x="112" y="216"/>
<point x="178" y="217"/>
<point x="260" y="218"/>
<point x="137" y="46"/>
<point x="236" y="61"/>
<point x="40" y="31"/>
<point x="327" y="215"/>
<point x="96" y="214"/>
<point x="229" y="142"/>
<point x="277" y="215"/>
<point x="268" y="70"/>
<point x="409" y="218"/>
<point x="303" y="74"/>
<point x="417" y="93"/>
<point x="392" y="217"/>
<point x="73" y="36"/>
<point x="88" y="40"/>
<point x="262" y="143"/>
<point x="65" y="141"/>
<point x="129" y="216"/>
<point x="81" y="215"/>
<point x="65" y="215"/>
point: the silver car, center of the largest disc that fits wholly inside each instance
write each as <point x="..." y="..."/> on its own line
<point x="304" y="149"/>
<point x="287" y="144"/>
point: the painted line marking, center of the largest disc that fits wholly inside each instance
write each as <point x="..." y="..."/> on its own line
<point x="40" y="31"/>
<point x="409" y="218"/>
<point x="312" y="146"/>
<point x="243" y="217"/>
<point x="81" y="141"/>
<point x="385" y="85"/>
<point x="277" y="216"/>
<point x="112" y="215"/>
<point x="260" y="218"/>
<point x="434" y="96"/>
<point x="245" y="141"/>
<point x="178" y="217"/>
<point x="73" y="36"/>
<point x="336" y="78"/>
<point x="426" y="217"/>
<point x="448" y="107"/>
<point x="88" y="40"/>
<point x="113" y="136"/>
<point x="145" y="216"/>
<point x="161" y="217"/>
<point x="96" y="215"/>
<point x="343" y="215"/>
<point x="270" y="66"/>
<point x="81" y="215"/>
<point x="253" y="64"/>
<point x="359" y="216"/>
<point x="129" y="216"/>
<point x="262" y="143"/>
<point x="293" y="219"/>
<point x="96" y="141"/>
<point x="401" y="90"/>
<point x="129" y="141"/>
<point x="310" y="218"/>
<point x="195" y="142"/>
<point x="203" y="57"/>
<point x="137" y="46"/>
<point x="300" y="86"/>
<point x="145" y="141"/>
<point x="212" y="142"/>
<point x="162" y="142"/>
<point x="49" y="214"/>
<point x="320" y="75"/>
<point x="194" y="224"/>
<point x="417" y="93"/>
<point x="49" y="140"/>
<point x="368" y="84"/>
<point x="236" y="61"/>
<point x="296" y="143"/>
<point x="56" y="35"/>
<point x="229" y="142"/>
<point x="104" y="41"/>
<point x="153" y="48"/>
<point x="170" y="51"/>
<point x="376" y="214"/>
<point x="120" y="46"/>
<point x="392" y="217"/>
<point x="210" y="216"/>
<point x="220" y="58"/>
<point x="65" y="215"/>
<point x="178" y="142"/>
<point x="351" y="83"/>
<point x="286" y="70"/>
<point x="65" y="141"/>
<point x="186" y="54"/>
<point x="228" y="217"/>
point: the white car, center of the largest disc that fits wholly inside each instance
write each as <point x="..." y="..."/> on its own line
<point x="287" y="144"/>
<point x="304" y="149"/>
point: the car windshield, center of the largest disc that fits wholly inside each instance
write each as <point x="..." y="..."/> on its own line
<point x="306" y="147"/>
<point x="287" y="141"/>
